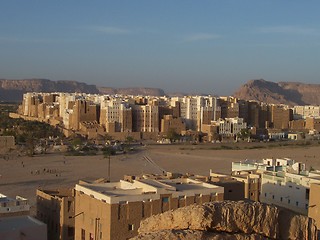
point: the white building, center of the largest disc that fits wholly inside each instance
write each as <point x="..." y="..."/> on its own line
<point x="290" y="188"/>
<point x="190" y="110"/>
<point x="300" y="112"/>
<point x="264" y="164"/>
<point x="145" y="118"/>
<point x="13" y="207"/>
<point x="64" y="111"/>
<point x="115" y="110"/>
<point x="231" y="126"/>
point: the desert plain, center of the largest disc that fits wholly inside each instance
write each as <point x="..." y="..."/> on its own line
<point x="22" y="175"/>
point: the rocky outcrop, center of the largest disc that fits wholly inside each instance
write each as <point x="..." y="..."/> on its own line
<point x="196" y="235"/>
<point x="12" y="90"/>
<point x="289" y="93"/>
<point x="228" y="220"/>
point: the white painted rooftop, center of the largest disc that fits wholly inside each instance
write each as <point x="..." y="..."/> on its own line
<point x="145" y="189"/>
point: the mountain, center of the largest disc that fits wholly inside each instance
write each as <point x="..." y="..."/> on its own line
<point x="290" y="93"/>
<point x="13" y="90"/>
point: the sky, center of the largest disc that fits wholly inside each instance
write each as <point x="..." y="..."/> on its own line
<point x="205" y="46"/>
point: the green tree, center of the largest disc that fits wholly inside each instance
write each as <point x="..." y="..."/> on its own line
<point x="129" y="139"/>
<point x="31" y="142"/>
<point x="172" y="135"/>
<point x="244" y="133"/>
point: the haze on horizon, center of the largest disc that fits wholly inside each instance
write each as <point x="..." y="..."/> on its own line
<point x="208" y="46"/>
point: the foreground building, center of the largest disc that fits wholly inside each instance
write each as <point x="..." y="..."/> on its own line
<point x="56" y="209"/>
<point x="233" y="189"/>
<point x="22" y="227"/>
<point x="290" y="189"/>
<point x="114" y="210"/>
<point x="250" y="173"/>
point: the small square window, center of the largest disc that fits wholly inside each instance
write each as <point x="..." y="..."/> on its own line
<point x="130" y="227"/>
<point x="165" y="199"/>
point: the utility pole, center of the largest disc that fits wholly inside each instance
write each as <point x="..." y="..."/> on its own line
<point x="109" y="169"/>
<point x="107" y="154"/>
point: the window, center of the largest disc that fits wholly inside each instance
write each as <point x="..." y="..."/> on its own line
<point x="69" y="205"/>
<point x="165" y="199"/>
<point x="90" y="236"/>
<point x="142" y="209"/>
<point x="83" y="234"/>
<point x="297" y="203"/>
<point x="281" y="199"/>
<point x="307" y="193"/>
<point x="70" y="231"/>
<point x="130" y="227"/>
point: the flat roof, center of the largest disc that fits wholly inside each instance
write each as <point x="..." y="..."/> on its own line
<point x="4" y="198"/>
<point x="145" y="189"/>
<point x="113" y="188"/>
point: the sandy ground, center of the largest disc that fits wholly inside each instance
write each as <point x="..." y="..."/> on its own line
<point x="23" y="175"/>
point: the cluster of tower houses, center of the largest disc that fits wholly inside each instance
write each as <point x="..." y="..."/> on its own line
<point x="147" y="117"/>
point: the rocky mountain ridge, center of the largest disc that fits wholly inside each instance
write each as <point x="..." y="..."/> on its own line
<point x="13" y="90"/>
<point x="233" y="220"/>
<point x="289" y="93"/>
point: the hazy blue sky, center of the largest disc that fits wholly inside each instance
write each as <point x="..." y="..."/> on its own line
<point x="208" y="46"/>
